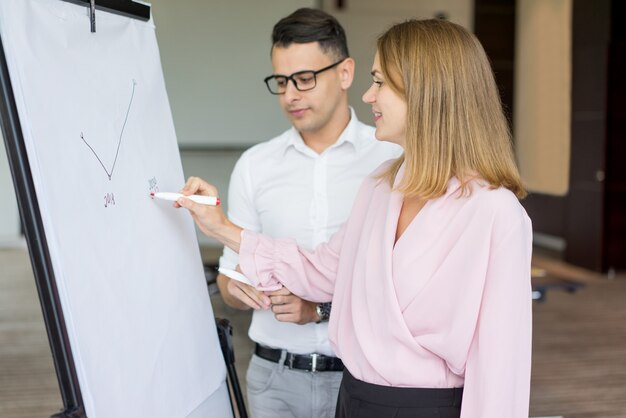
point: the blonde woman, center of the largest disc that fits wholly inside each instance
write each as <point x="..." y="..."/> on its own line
<point x="430" y="275"/>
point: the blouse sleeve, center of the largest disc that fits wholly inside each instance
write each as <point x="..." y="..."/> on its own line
<point x="497" y="373"/>
<point x="311" y="275"/>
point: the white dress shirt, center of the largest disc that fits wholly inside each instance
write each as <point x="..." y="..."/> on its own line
<point x="283" y="188"/>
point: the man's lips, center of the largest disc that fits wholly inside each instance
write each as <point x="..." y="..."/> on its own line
<point x="297" y="112"/>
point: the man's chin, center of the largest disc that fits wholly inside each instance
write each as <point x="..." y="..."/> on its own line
<point x="302" y="125"/>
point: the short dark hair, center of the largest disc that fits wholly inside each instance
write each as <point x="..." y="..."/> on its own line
<point x="311" y="25"/>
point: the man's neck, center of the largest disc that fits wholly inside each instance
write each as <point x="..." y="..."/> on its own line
<point x="323" y="138"/>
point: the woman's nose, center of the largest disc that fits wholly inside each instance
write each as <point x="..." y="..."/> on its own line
<point x="369" y="96"/>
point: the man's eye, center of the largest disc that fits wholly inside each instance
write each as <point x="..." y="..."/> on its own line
<point x="281" y="82"/>
<point x="304" y="79"/>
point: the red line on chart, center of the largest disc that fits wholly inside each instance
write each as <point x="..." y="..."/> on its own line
<point x="119" y="143"/>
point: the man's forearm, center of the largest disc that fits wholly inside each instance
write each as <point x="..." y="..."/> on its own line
<point x="230" y="300"/>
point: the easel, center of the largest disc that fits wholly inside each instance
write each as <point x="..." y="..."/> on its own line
<point x="30" y="214"/>
<point x="38" y="249"/>
<point x="225" y="333"/>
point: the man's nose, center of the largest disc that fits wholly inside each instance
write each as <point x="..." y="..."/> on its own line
<point x="291" y="92"/>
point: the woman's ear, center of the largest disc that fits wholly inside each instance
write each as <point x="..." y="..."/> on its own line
<point x="346" y="73"/>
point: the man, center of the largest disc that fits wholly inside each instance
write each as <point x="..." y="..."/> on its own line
<point x="301" y="185"/>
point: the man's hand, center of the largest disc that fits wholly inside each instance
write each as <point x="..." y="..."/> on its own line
<point x="240" y="295"/>
<point x="288" y="307"/>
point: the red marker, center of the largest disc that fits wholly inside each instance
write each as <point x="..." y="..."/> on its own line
<point x="204" y="200"/>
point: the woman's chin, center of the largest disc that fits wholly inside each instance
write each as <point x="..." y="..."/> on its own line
<point x="386" y="138"/>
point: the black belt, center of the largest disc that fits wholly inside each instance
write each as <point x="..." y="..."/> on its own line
<point x="309" y="362"/>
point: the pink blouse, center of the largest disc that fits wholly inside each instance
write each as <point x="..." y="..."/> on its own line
<point x="448" y="305"/>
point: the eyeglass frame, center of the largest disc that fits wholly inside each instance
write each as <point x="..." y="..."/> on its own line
<point x="297" y="73"/>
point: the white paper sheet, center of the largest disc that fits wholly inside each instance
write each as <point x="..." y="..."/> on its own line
<point x="100" y="137"/>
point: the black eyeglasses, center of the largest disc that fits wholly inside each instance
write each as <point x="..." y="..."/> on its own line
<point x="302" y="80"/>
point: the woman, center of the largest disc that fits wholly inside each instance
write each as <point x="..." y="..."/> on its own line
<point x="430" y="275"/>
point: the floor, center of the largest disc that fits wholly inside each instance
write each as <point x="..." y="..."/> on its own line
<point x="579" y="351"/>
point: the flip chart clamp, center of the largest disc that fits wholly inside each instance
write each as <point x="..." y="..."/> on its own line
<point x="92" y="15"/>
<point x="121" y="7"/>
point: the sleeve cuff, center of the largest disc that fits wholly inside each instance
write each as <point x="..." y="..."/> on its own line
<point x="256" y="258"/>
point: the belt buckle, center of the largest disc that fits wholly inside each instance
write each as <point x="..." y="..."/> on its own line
<point x="314" y="362"/>
<point x="290" y="360"/>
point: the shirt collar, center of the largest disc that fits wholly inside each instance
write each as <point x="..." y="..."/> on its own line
<point x="350" y="135"/>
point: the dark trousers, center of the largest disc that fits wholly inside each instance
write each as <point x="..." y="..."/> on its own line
<point x="358" y="399"/>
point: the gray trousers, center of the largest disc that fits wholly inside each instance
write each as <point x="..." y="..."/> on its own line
<point x="275" y="391"/>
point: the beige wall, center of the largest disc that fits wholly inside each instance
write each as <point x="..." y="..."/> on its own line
<point x="542" y="109"/>
<point x="215" y="54"/>
<point x="365" y="20"/>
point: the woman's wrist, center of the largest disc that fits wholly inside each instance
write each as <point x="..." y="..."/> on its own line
<point x="228" y="234"/>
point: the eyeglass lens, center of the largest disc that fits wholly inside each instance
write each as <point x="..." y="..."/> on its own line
<point x="303" y="81"/>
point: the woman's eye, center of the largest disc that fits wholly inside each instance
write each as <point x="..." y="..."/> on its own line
<point x="378" y="83"/>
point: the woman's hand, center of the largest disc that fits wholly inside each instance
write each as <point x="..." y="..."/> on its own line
<point x="210" y="219"/>
<point x="288" y="307"/>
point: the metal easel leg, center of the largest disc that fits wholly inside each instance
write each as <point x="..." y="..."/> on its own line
<point x="225" y="333"/>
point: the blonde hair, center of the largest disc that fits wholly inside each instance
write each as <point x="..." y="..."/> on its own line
<point x="455" y="123"/>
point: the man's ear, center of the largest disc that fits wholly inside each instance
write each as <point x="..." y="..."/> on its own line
<point x="346" y="73"/>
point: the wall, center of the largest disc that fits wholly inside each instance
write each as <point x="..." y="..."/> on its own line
<point x="542" y="110"/>
<point x="215" y="55"/>
<point x="365" y="20"/>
